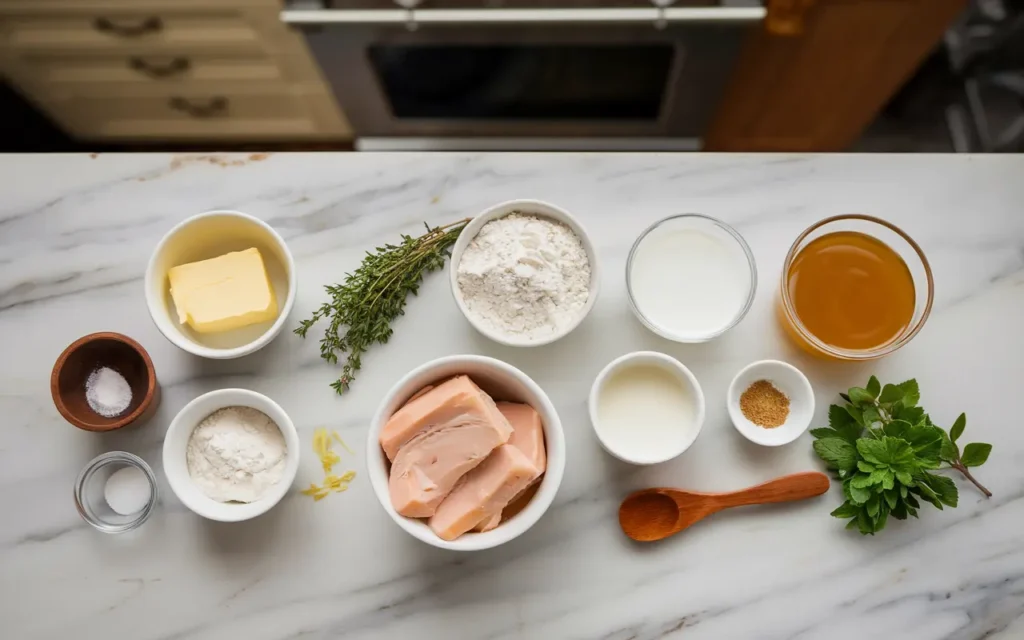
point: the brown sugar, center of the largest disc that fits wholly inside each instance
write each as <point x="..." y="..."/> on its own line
<point x="764" y="405"/>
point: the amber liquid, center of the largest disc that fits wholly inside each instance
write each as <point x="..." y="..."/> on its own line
<point x="851" y="291"/>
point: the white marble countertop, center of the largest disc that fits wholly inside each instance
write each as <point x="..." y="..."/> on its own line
<point x="76" y="231"/>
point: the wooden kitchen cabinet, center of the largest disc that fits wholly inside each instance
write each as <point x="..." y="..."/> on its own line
<point x="175" y="70"/>
<point x="815" y="78"/>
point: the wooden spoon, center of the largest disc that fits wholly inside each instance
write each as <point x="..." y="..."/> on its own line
<point x="655" y="514"/>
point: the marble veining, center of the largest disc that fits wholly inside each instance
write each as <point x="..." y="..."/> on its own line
<point x="76" y="232"/>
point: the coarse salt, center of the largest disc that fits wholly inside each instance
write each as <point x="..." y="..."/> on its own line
<point x="107" y="392"/>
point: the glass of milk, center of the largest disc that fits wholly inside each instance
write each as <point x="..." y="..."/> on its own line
<point x="690" y="278"/>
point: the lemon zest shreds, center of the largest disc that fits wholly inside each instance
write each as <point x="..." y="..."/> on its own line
<point x="312" y="490"/>
<point x="322" y="442"/>
<point x="342" y="442"/>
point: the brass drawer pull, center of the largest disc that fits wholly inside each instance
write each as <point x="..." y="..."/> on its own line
<point x="214" y="107"/>
<point x="146" y="26"/>
<point x="176" y="66"/>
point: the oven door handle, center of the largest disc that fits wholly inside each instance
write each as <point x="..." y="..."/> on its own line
<point x="486" y="17"/>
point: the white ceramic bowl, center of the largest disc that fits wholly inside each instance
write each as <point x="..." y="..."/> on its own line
<point x="669" y="364"/>
<point x="787" y="379"/>
<point x="209" y="235"/>
<point x="503" y="382"/>
<point x="540" y="209"/>
<point x="176" y="441"/>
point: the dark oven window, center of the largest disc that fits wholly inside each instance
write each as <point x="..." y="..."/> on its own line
<point x="524" y="82"/>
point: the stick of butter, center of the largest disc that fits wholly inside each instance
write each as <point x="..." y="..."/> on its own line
<point x="223" y="293"/>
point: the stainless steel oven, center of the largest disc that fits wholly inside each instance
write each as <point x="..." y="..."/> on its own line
<point x="446" y="74"/>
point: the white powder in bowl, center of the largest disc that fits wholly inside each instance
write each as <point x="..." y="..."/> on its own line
<point x="525" y="276"/>
<point x="236" y="454"/>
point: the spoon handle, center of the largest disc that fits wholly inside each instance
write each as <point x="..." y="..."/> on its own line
<point x="797" y="486"/>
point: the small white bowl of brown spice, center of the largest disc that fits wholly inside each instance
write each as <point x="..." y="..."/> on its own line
<point x="771" y="402"/>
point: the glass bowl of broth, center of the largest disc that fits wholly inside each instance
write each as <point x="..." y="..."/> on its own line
<point x="854" y="287"/>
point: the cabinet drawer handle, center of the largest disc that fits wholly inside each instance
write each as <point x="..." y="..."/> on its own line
<point x="148" y="25"/>
<point x="214" y="107"/>
<point x="175" y="66"/>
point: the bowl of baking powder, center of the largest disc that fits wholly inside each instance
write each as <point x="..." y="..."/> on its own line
<point x="231" y="454"/>
<point x="524" y="273"/>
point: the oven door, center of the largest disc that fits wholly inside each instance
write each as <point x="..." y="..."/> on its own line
<point x="630" y="72"/>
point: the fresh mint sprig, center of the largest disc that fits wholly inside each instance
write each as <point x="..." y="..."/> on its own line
<point x="883" y="447"/>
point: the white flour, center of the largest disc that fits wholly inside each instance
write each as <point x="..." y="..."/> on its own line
<point x="525" y="276"/>
<point x="236" y="454"/>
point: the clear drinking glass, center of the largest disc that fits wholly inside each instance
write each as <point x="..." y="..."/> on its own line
<point x="716" y="229"/>
<point x="898" y="241"/>
<point x="91" y="503"/>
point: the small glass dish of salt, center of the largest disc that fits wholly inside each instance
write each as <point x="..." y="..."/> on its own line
<point x="116" y="492"/>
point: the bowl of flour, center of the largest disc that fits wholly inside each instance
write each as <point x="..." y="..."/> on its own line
<point x="524" y="273"/>
<point x="231" y="455"/>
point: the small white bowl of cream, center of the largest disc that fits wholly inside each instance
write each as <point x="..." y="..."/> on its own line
<point x="646" y="407"/>
<point x="690" y="278"/>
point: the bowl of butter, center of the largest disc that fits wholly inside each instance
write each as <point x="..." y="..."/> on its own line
<point x="221" y="284"/>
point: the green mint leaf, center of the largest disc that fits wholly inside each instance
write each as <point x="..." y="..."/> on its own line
<point x="944" y="488"/>
<point x="894" y="453"/>
<point x="866" y="467"/>
<point x="858" y="495"/>
<point x="874" y="387"/>
<point x="897" y="429"/>
<point x="872" y="506"/>
<point x="882" y="517"/>
<point x="901" y="455"/>
<point x="865" y="480"/>
<point x="958" y="427"/>
<point x="824" y="432"/>
<point x="900" y="511"/>
<point x="844" y="397"/>
<point x="860" y="396"/>
<point x="890" y="393"/>
<point x="843" y="423"/>
<point x="852" y="524"/>
<point x="949" y="451"/>
<point x="855" y="413"/>
<point x="911" y="393"/>
<point x="927" y="494"/>
<point x="846" y="510"/>
<point x="873" y="451"/>
<point x="912" y="501"/>
<point x="913" y="415"/>
<point x="927" y="444"/>
<point x="975" y="454"/>
<point x="838" y="453"/>
<point x="905" y="478"/>
<point x="903" y="490"/>
<point x="888" y="479"/>
<point x="864" y="523"/>
<point x="892" y="497"/>
<point x="871" y="416"/>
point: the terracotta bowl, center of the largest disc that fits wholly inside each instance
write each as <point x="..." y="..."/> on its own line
<point x="85" y="355"/>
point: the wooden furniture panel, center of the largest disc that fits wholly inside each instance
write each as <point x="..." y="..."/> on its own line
<point x="276" y="111"/>
<point x="61" y="6"/>
<point x="817" y="89"/>
<point x="167" y="69"/>
<point x="118" y="73"/>
<point x="112" y="30"/>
